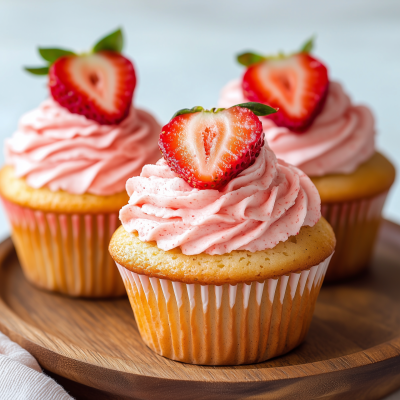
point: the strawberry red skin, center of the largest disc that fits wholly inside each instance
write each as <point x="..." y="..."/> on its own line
<point x="244" y="149"/>
<point x="67" y="93"/>
<point x="254" y="90"/>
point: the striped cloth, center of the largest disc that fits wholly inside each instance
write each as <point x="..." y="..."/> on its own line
<point x="21" y="377"/>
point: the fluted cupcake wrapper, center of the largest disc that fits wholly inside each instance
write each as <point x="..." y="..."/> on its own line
<point x="356" y="225"/>
<point x="228" y="324"/>
<point x="66" y="253"/>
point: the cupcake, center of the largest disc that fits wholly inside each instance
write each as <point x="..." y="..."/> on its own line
<point x="222" y="249"/>
<point x="66" y="168"/>
<point x="319" y="130"/>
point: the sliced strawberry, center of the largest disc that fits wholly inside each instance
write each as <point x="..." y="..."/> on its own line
<point x="99" y="85"/>
<point x="210" y="148"/>
<point x="297" y="85"/>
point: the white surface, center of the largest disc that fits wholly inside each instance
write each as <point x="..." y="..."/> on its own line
<point x="184" y="51"/>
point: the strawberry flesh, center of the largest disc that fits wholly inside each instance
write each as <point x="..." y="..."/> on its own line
<point x="209" y="149"/>
<point x="297" y="85"/>
<point x="99" y="86"/>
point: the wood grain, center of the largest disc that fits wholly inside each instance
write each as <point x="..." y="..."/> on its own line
<point x="351" y="352"/>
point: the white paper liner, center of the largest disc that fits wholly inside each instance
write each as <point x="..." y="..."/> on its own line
<point x="66" y="253"/>
<point x="356" y="225"/>
<point x="228" y="324"/>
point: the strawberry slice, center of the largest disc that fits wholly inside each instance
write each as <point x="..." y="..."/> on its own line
<point x="209" y="148"/>
<point x="296" y="84"/>
<point x="99" y="86"/>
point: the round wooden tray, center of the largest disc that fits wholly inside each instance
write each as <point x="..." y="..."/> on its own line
<point x="94" y="349"/>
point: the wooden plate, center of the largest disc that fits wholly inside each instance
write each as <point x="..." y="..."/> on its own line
<point x="94" y="348"/>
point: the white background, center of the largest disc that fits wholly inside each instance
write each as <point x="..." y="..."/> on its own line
<point x="184" y="51"/>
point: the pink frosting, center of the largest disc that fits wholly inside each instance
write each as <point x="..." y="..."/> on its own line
<point x="61" y="150"/>
<point x="264" y="205"/>
<point x="340" y="139"/>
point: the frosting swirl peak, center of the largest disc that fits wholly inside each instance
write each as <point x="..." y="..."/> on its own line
<point x="265" y="204"/>
<point x="64" y="151"/>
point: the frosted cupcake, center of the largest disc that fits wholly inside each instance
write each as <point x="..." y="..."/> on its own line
<point x="222" y="248"/>
<point x="66" y="167"/>
<point x="319" y="130"/>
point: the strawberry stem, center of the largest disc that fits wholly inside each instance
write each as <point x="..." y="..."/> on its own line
<point x="249" y="58"/>
<point x="188" y="111"/>
<point x="257" y="108"/>
<point x="112" y="42"/>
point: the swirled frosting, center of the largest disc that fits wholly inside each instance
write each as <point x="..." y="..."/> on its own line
<point x="340" y="139"/>
<point x="60" y="150"/>
<point x="264" y="205"/>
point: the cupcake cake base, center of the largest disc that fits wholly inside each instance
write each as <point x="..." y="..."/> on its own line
<point x="236" y="308"/>
<point x="62" y="239"/>
<point x="228" y="324"/>
<point x="356" y="225"/>
<point x="352" y="204"/>
<point x="66" y="253"/>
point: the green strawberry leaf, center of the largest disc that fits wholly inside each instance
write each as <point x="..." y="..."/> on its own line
<point x="250" y="58"/>
<point x="51" y="55"/>
<point x="308" y="46"/>
<point x="258" y="108"/>
<point x="37" y="70"/>
<point x="187" y="111"/>
<point x="112" y="42"/>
